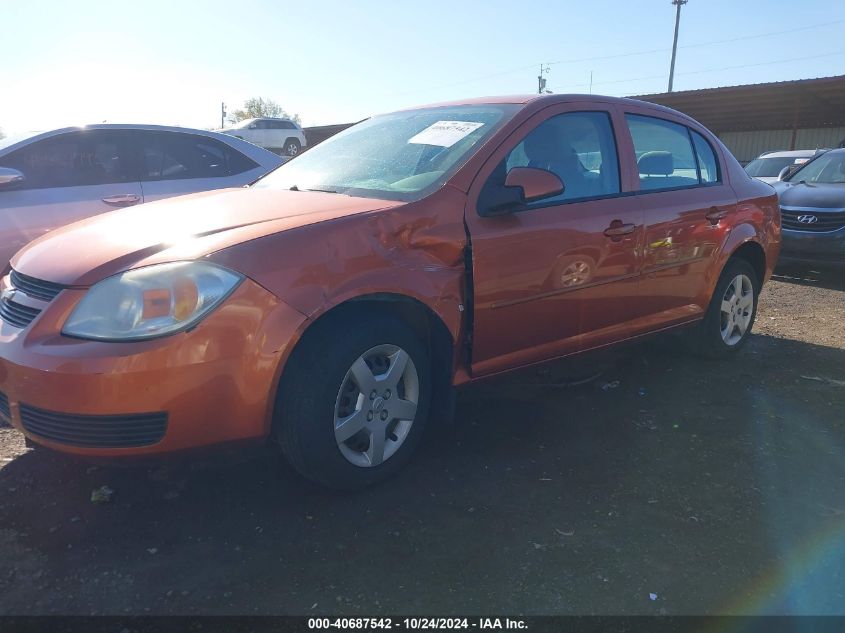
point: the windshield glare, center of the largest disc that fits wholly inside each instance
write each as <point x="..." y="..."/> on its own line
<point x="399" y="156"/>
<point x="827" y="168"/>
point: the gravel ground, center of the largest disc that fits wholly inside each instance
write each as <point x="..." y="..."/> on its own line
<point x="668" y="484"/>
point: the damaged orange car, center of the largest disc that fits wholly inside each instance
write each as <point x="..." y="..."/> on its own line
<point x="334" y="305"/>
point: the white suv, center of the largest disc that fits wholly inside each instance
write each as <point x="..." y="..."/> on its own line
<point x="280" y="135"/>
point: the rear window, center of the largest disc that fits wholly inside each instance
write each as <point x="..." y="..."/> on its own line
<point x="665" y="157"/>
<point x="670" y="155"/>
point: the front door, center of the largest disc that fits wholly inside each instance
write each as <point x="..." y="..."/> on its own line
<point x="558" y="269"/>
<point x="67" y="177"/>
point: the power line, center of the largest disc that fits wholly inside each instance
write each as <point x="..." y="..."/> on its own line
<point x="699" y="44"/>
<point x="707" y="70"/>
<point x="620" y="55"/>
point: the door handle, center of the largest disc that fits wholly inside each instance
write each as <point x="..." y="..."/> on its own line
<point x="122" y="200"/>
<point x="617" y="230"/>
<point x="715" y="214"/>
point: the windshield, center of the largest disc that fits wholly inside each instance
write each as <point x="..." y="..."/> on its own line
<point x="400" y="156"/>
<point x="827" y="168"/>
<point x="770" y="167"/>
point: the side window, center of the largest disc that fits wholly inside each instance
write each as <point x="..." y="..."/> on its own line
<point x="176" y="156"/>
<point x="707" y="163"/>
<point x="87" y="157"/>
<point x="287" y="125"/>
<point x="578" y="147"/>
<point x="262" y="125"/>
<point x="665" y="158"/>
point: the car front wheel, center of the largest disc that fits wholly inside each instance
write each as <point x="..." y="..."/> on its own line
<point x="353" y="401"/>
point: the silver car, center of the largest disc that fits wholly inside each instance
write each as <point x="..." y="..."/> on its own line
<point x="770" y="167"/>
<point x="54" y="178"/>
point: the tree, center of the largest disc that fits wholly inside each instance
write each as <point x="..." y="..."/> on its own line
<point x="258" y="107"/>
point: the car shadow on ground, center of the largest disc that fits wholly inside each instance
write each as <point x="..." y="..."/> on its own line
<point x="829" y="277"/>
<point x="640" y="482"/>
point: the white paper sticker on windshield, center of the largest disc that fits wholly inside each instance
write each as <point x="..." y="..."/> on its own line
<point x="445" y="133"/>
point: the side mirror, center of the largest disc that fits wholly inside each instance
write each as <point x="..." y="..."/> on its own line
<point x="536" y="184"/>
<point x="522" y="185"/>
<point x="9" y="176"/>
<point x="252" y="126"/>
<point x="784" y="172"/>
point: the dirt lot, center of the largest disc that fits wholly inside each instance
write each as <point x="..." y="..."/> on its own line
<point x="689" y="487"/>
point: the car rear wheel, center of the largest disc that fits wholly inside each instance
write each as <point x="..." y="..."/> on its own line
<point x="731" y="313"/>
<point x="292" y="147"/>
<point x="353" y="401"/>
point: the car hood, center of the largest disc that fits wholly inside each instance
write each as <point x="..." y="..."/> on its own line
<point x="811" y="195"/>
<point x="187" y="227"/>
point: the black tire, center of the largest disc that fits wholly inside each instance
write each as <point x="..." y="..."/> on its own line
<point x="291" y="147"/>
<point x="707" y="338"/>
<point x="304" y="418"/>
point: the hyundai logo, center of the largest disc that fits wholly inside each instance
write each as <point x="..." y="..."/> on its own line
<point x="807" y="219"/>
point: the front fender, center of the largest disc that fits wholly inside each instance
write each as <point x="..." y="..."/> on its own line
<point x="415" y="250"/>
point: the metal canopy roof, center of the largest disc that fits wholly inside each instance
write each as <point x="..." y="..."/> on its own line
<point x="804" y="103"/>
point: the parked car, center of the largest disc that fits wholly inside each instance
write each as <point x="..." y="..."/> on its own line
<point x="772" y="166"/>
<point x="280" y="135"/>
<point x="334" y="305"/>
<point x="54" y="178"/>
<point x="812" y="206"/>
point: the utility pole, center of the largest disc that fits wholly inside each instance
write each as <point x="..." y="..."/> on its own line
<point x="541" y="80"/>
<point x="678" y="4"/>
<point x="222" y="115"/>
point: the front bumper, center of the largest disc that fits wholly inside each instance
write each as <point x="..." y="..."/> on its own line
<point x="819" y="247"/>
<point x="211" y="385"/>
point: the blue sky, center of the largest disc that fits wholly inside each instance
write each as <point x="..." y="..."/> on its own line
<point x="174" y="62"/>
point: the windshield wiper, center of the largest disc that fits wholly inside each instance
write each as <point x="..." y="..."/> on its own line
<point x="296" y="188"/>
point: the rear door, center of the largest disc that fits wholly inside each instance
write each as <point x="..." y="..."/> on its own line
<point x="685" y="201"/>
<point x="176" y="163"/>
<point x="68" y="177"/>
<point x="555" y="271"/>
<point x="278" y="134"/>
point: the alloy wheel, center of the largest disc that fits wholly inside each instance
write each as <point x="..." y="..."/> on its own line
<point x="376" y="405"/>
<point x="737" y="310"/>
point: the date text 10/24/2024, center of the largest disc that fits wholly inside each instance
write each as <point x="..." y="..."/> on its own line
<point x="416" y="623"/>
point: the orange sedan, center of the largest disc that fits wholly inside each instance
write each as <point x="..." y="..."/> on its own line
<point x="335" y="304"/>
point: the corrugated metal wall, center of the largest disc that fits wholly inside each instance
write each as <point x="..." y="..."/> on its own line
<point x="747" y="146"/>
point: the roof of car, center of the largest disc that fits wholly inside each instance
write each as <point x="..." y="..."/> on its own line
<point x="796" y="153"/>
<point x="551" y="99"/>
<point x="122" y="126"/>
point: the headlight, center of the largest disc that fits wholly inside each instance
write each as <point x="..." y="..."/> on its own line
<point x="150" y="302"/>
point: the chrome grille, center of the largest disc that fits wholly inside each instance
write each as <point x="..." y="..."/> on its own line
<point x="16" y="313"/>
<point x="826" y="221"/>
<point x="35" y="288"/>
